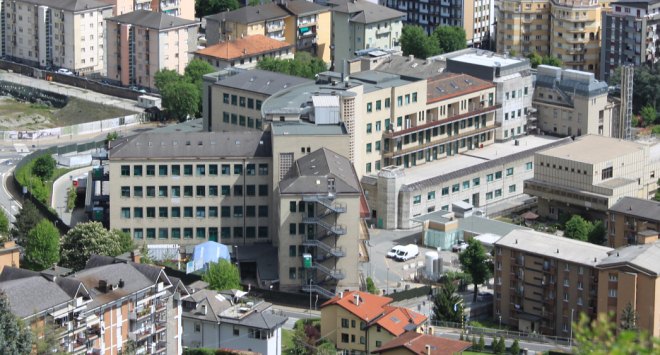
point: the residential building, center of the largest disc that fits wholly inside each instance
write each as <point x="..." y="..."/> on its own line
<point x="320" y="203"/>
<point x="630" y="35"/>
<point x="628" y="281"/>
<point x="544" y="282"/>
<point x="359" y="322"/>
<point x="475" y="17"/>
<point x="369" y="26"/>
<point x="179" y="8"/>
<point x="480" y="177"/>
<point x="573" y="103"/>
<point x="514" y="92"/>
<point x="303" y="24"/>
<point x="62" y="34"/>
<point x="589" y="175"/>
<point x="101" y="308"/>
<point x="140" y="43"/>
<point x="413" y="343"/>
<point x="244" y="53"/>
<point x="9" y="255"/>
<point x="392" y="62"/>
<point x="231" y="320"/>
<point x="632" y="221"/>
<point x="567" y="29"/>
<point x="232" y="99"/>
<point x="186" y="188"/>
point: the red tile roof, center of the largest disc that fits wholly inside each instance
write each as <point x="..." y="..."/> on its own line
<point x="416" y="344"/>
<point x="368" y="308"/>
<point x="396" y="319"/>
<point x="243" y="47"/>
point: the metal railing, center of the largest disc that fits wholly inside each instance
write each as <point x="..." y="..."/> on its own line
<point x="318" y="289"/>
<point x="334" y="273"/>
<point x="507" y="334"/>
<point x="326" y="201"/>
<point x="334" y="228"/>
<point x="336" y="252"/>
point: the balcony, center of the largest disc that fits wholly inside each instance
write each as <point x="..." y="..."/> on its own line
<point x="436" y="142"/>
<point x="140" y="334"/>
<point x="136" y="315"/>
<point x="275" y="26"/>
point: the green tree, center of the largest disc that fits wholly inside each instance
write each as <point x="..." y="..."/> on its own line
<point x="447" y="304"/>
<point x="481" y="345"/>
<point x="629" y="317"/>
<point x="71" y="196"/>
<point x="44" y="167"/>
<point x="501" y="346"/>
<point x="415" y="41"/>
<point x="657" y="192"/>
<point x="493" y="345"/>
<point x="165" y="77"/>
<point x="475" y="262"/>
<point x="43" y="246"/>
<point x="515" y="348"/>
<point x="15" y="336"/>
<point x="254" y="2"/>
<point x="222" y="275"/>
<point x="598" y="233"/>
<point x="46" y="339"/>
<point x="648" y="114"/>
<point x="4" y="226"/>
<point x="450" y="38"/>
<point x="181" y="99"/>
<point x="577" y="228"/>
<point x="600" y="337"/>
<point x="210" y="7"/>
<point x="26" y="219"/>
<point x="535" y="59"/>
<point x="303" y="65"/>
<point x="89" y="238"/>
<point x="111" y="137"/>
<point x="196" y="69"/>
<point x="371" y="287"/>
<point x="553" y="61"/>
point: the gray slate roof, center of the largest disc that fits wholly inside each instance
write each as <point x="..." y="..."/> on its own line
<point x="309" y="174"/>
<point x="415" y="68"/>
<point x="643" y="257"/>
<point x="303" y="7"/>
<point x="192" y="145"/>
<point x="261" y="81"/>
<point x="152" y="19"/>
<point x="70" y="5"/>
<point x="250" y="14"/>
<point x="365" y="12"/>
<point x="644" y="209"/>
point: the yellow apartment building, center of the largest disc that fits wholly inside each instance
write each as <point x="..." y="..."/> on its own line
<point x="632" y="221"/>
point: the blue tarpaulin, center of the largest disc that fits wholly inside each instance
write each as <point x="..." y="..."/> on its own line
<point x="207" y="252"/>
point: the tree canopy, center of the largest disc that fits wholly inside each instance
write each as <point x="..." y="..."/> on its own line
<point x="303" y="65"/>
<point x="597" y="234"/>
<point x="210" y="7"/>
<point x="15" y="336"/>
<point x="89" y="238"/>
<point x="536" y="59"/>
<point x="415" y="41"/>
<point x="450" y="38"/>
<point x="44" y="167"/>
<point x="447" y="304"/>
<point x="26" y="219"/>
<point x="181" y="99"/>
<point x="475" y="262"/>
<point x="577" y="228"/>
<point x="196" y="69"/>
<point x="4" y="226"/>
<point x="222" y="275"/>
<point x="648" y="114"/>
<point x="600" y="337"/>
<point x="42" y="249"/>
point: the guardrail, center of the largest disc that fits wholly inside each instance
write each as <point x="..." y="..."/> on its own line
<point x="507" y="334"/>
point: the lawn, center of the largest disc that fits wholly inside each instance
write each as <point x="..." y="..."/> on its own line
<point x="287" y="340"/>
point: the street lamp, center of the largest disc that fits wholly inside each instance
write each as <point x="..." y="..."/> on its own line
<point x="500" y="317"/>
<point x="310" y="297"/>
<point x="387" y="287"/>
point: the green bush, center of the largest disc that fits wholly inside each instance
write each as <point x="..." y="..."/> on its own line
<point x="371" y="287"/>
<point x="71" y="197"/>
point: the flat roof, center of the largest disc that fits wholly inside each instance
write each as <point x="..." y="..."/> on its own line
<point x="302" y="128"/>
<point x="555" y="247"/>
<point x="260" y="81"/>
<point x="484" y="226"/>
<point x="591" y="149"/>
<point x="473" y="161"/>
<point x="487" y="60"/>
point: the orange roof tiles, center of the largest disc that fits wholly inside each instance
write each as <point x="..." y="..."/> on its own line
<point x="416" y="344"/>
<point x="449" y="85"/>
<point x="368" y="308"/>
<point x="243" y="47"/>
<point x="396" y="319"/>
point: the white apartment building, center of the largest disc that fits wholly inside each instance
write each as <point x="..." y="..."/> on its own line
<point x="57" y="33"/>
<point x="179" y="8"/>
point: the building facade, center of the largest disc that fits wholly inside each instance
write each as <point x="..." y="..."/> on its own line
<point x="369" y="26"/>
<point x="630" y="36"/>
<point x="244" y="53"/>
<point x="142" y="42"/>
<point x="631" y="221"/>
<point x="61" y="34"/>
<point x="179" y="8"/>
<point x="475" y="17"/>
<point x="544" y="282"/>
<point x="590" y="175"/>
<point x="573" y="103"/>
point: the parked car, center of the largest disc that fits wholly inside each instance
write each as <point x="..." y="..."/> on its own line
<point x="64" y="71"/>
<point x="395" y="249"/>
<point x="460" y="246"/>
<point x="406" y="253"/>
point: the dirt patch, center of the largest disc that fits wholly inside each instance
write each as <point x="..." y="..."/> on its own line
<point x="18" y="115"/>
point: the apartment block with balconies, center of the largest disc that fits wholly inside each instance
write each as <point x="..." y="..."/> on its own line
<point x="523" y="26"/>
<point x="632" y="221"/>
<point x="179" y="8"/>
<point x="544" y="282"/>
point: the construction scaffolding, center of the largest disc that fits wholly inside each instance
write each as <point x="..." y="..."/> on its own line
<point x="623" y="126"/>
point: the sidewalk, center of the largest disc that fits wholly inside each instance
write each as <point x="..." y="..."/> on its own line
<point x="58" y="200"/>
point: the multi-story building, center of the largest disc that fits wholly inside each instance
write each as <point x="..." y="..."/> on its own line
<point x="514" y="87"/>
<point x="369" y="26"/>
<point x="543" y="282"/>
<point x="9" y="255"/>
<point x="140" y="43"/>
<point x="631" y="221"/>
<point x="589" y="175"/>
<point x="359" y="322"/>
<point x="475" y="17"/>
<point x="186" y="188"/>
<point x="567" y="29"/>
<point x="630" y="35"/>
<point x="303" y="24"/>
<point x="179" y="8"/>
<point x="233" y="99"/>
<point x="215" y="320"/>
<point x="101" y="308"/>
<point x="244" y="53"/>
<point x="573" y="103"/>
<point x="63" y="34"/>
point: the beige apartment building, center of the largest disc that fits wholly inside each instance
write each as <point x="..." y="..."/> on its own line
<point x="567" y="29"/>
<point x="573" y="103"/>
<point x="632" y="221"/>
<point x="589" y="175"/>
<point x="179" y="8"/>
<point x="544" y="282"/>
<point x="61" y="34"/>
<point x="140" y="43"/>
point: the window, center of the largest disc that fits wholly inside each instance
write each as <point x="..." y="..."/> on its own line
<point x="125" y="212"/>
<point x="368" y="127"/>
<point x="251" y="169"/>
<point x="263" y="211"/>
<point x="509" y="171"/>
<point x="607" y="173"/>
<point x="188" y="191"/>
<point x="125" y="191"/>
<point x="151" y="233"/>
<point x="188" y="170"/>
<point x="476" y="181"/>
<point x="151" y="170"/>
<point x="489" y="177"/>
<point x="455" y="188"/>
<point x="225" y="190"/>
<point x="263" y="169"/>
<point x="225" y="211"/>
<point x="200" y="212"/>
<point x="151" y="191"/>
<point x="162" y="170"/>
<point x="344" y="338"/>
<point x="125" y="170"/>
<point x="378" y="343"/>
<point x="417" y="199"/>
<point x="414" y="97"/>
<point x="430" y="196"/>
<point x="498" y="175"/>
<point x="225" y="169"/>
<point x="445" y="191"/>
<point x="489" y="195"/>
<point x="200" y="191"/>
<point x="263" y="190"/>
<point x="466" y="184"/>
<point x="292" y="206"/>
<point x="613" y="277"/>
<point x="176" y="170"/>
<point x="378" y="126"/>
<point x="238" y="190"/>
<point x="137" y="170"/>
<point x="498" y="193"/>
<point x="151" y="212"/>
<point x="378" y="106"/>
<point x="213" y="211"/>
<point x="250" y="211"/>
<point x="162" y="191"/>
<point x="368" y="147"/>
<point x="512" y="188"/>
<point x="529" y="166"/>
<point x="238" y="169"/>
<point x="201" y="170"/>
<point x="387" y="103"/>
<point x="292" y="276"/>
<point x="213" y="190"/>
<point x="612" y="293"/>
<point x="176" y="212"/>
<point x="188" y="212"/>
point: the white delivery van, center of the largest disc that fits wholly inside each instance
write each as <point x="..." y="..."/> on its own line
<point x="408" y="252"/>
<point x="395" y="249"/>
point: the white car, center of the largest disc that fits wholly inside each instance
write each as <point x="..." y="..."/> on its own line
<point x="64" y="71"/>
<point x="460" y="246"/>
<point x="395" y="249"/>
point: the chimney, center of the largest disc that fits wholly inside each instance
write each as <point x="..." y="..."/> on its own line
<point x="103" y="285"/>
<point x="121" y="283"/>
<point x="341" y="295"/>
<point x="204" y="309"/>
<point x="428" y="349"/>
<point x="136" y="256"/>
<point x="411" y="57"/>
<point x="357" y="299"/>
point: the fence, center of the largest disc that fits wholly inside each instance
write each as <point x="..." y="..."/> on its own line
<point x="411" y="293"/>
<point x="507" y="334"/>
<point x="78" y="129"/>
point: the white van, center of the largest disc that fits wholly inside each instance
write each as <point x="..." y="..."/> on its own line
<point x="406" y="253"/>
<point x="395" y="249"/>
